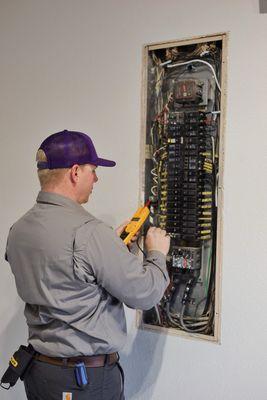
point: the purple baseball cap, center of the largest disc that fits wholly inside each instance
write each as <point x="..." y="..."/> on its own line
<point x="66" y="148"/>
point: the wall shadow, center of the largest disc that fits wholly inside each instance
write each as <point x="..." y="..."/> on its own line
<point x="142" y="363"/>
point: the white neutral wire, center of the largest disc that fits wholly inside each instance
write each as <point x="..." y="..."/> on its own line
<point x="200" y="61"/>
<point x="165" y="63"/>
<point x="158" y="150"/>
<point x="154" y="190"/>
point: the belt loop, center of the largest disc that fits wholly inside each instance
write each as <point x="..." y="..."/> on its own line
<point x="106" y="359"/>
<point x="65" y="363"/>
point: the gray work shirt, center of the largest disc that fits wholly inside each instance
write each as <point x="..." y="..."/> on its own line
<point x="73" y="272"/>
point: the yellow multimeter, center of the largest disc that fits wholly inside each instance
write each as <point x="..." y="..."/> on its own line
<point x="136" y="222"/>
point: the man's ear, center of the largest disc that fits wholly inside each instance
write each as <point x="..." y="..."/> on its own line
<point x="74" y="173"/>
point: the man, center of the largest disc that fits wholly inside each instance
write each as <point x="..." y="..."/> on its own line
<point x="74" y="274"/>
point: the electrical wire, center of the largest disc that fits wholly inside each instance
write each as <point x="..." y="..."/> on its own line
<point x="165" y="63"/>
<point x="199" y="61"/>
<point x="210" y="302"/>
<point x="208" y="271"/>
<point x="171" y="320"/>
<point x="138" y="245"/>
<point x="149" y="261"/>
<point x="175" y="320"/>
<point x="191" y="328"/>
<point x="158" y="314"/>
<point x="154" y="188"/>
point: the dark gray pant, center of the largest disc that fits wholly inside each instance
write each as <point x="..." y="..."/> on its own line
<point x="51" y="382"/>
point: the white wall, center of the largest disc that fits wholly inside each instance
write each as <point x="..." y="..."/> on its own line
<point x="77" y="65"/>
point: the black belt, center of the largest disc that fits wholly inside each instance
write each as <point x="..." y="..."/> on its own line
<point x="89" y="361"/>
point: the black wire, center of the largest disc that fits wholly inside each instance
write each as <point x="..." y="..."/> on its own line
<point x="137" y="243"/>
<point x="213" y="259"/>
<point x="149" y="261"/>
<point x="198" y="304"/>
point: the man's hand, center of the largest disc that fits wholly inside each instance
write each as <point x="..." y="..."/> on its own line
<point x="156" y="239"/>
<point x="121" y="228"/>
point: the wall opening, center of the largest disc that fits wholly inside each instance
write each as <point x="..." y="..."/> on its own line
<point x="182" y="169"/>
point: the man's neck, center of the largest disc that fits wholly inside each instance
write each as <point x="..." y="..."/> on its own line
<point x="62" y="191"/>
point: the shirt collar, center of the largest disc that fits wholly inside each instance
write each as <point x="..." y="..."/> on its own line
<point x="58" y="200"/>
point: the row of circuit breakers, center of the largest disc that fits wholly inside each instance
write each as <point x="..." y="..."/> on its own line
<point x="185" y="198"/>
<point x="181" y="179"/>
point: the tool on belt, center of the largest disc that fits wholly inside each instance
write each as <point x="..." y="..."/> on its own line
<point x="21" y="361"/>
<point x="81" y="375"/>
<point x="19" y="365"/>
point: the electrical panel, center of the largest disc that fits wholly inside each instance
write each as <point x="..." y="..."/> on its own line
<point x="182" y="177"/>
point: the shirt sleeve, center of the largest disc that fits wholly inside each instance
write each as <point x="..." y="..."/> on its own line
<point x="6" y="256"/>
<point x="121" y="273"/>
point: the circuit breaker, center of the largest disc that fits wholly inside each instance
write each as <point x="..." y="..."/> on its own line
<point x="182" y="177"/>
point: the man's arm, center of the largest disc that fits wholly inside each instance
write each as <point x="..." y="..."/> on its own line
<point x="122" y="274"/>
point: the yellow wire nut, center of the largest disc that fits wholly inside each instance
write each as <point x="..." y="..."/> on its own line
<point x="205" y="232"/>
<point x="206" y="206"/>
<point x="206" y="213"/>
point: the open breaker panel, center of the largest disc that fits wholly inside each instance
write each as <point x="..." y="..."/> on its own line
<point x="182" y="157"/>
